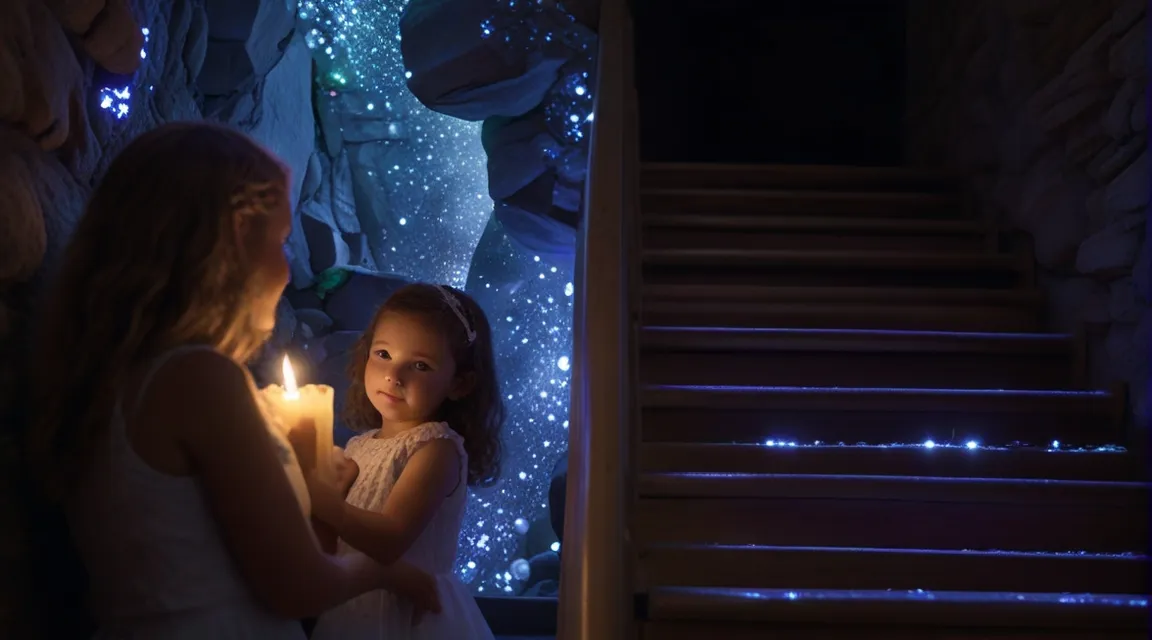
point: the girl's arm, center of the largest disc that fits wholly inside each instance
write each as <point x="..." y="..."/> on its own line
<point x="207" y="400"/>
<point x="431" y="474"/>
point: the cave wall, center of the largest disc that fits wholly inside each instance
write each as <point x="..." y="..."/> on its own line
<point x="241" y="62"/>
<point x="1044" y="104"/>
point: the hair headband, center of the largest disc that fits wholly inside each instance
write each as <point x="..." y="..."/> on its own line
<point x="458" y="309"/>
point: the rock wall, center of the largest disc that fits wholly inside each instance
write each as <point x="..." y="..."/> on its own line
<point x="1044" y="103"/>
<point x="70" y="102"/>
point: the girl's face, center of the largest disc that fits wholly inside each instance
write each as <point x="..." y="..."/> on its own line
<point x="270" y="265"/>
<point x="410" y="370"/>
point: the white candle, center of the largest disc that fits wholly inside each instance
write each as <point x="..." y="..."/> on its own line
<point x="293" y="405"/>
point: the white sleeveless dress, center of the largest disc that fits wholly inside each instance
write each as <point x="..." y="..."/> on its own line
<point x="157" y="566"/>
<point x="380" y="615"/>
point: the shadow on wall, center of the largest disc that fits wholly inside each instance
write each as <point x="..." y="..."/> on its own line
<point x="1046" y="104"/>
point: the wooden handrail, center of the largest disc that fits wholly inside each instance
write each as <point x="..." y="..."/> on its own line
<point x="596" y="574"/>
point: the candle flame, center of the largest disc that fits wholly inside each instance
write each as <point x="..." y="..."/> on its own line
<point x="291" y="391"/>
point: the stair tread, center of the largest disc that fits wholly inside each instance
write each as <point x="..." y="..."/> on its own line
<point x="791" y="195"/>
<point x="1031" y="491"/>
<point x="768" y="549"/>
<point x="843" y="607"/>
<point x="810" y="566"/>
<point x="1107" y="463"/>
<point x="799" y="170"/>
<point x="863" y="398"/>
<point x="888" y="295"/>
<point x="688" y="338"/>
<point x="823" y="257"/>
<point x="828" y="223"/>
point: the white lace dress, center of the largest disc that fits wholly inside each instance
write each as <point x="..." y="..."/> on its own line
<point x="380" y="615"/>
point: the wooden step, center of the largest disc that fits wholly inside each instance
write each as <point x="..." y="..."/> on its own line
<point x="891" y="512"/>
<point x="855" y="357"/>
<point x="811" y="232"/>
<point x="754" y="566"/>
<point x="763" y="202"/>
<point x="803" y="268"/>
<point x="685" y="613"/>
<point x="842" y="307"/>
<point x="687" y="413"/>
<point x="814" y="177"/>
<point x="1107" y="464"/>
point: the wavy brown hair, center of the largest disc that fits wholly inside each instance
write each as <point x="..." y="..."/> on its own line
<point x="154" y="263"/>
<point x="479" y="416"/>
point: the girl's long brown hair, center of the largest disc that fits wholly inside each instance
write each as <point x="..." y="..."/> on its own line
<point x="479" y="416"/>
<point x="154" y="263"/>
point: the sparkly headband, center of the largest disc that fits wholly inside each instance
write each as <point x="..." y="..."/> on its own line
<point x="458" y="309"/>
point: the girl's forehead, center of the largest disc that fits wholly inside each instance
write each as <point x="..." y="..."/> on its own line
<point x="407" y="327"/>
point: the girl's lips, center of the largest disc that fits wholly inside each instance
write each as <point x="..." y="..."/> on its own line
<point x="389" y="396"/>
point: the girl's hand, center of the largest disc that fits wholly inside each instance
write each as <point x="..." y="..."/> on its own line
<point x="414" y="585"/>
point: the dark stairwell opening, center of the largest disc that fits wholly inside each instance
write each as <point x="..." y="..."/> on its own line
<point x="814" y="82"/>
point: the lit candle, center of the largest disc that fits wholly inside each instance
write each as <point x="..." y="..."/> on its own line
<point x="293" y="404"/>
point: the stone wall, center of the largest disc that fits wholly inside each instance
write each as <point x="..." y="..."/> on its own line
<point x="1044" y="104"/>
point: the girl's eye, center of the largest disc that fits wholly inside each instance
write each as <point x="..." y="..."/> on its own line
<point x="382" y="354"/>
<point x="423" y="366"/>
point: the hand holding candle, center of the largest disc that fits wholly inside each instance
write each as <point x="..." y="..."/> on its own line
<point x="300" y="407"/>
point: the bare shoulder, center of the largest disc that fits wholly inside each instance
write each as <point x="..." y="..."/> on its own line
<point x="202" y="393"/>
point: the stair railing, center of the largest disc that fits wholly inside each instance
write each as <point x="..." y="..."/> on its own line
<point x="596" y="572"/>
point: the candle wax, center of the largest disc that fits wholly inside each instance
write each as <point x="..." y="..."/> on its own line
<point x="312" y="401"/>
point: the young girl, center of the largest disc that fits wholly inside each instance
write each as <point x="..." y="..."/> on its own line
<point x="177" y="492"/>
<point x="424" y="393"/>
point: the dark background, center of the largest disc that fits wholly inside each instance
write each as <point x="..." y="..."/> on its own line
<point x="799" y="81"/>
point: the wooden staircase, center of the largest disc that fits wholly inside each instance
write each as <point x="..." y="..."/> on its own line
<point x="853" y="426"/>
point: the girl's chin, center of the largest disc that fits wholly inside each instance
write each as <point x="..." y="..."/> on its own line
<point x="387" y="410"/>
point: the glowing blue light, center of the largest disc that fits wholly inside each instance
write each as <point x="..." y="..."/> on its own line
<point x="972" y="444"/>
<point x="555" y="547"/>
<point x="118" y="100"/>
<point x="928" y="444"/>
